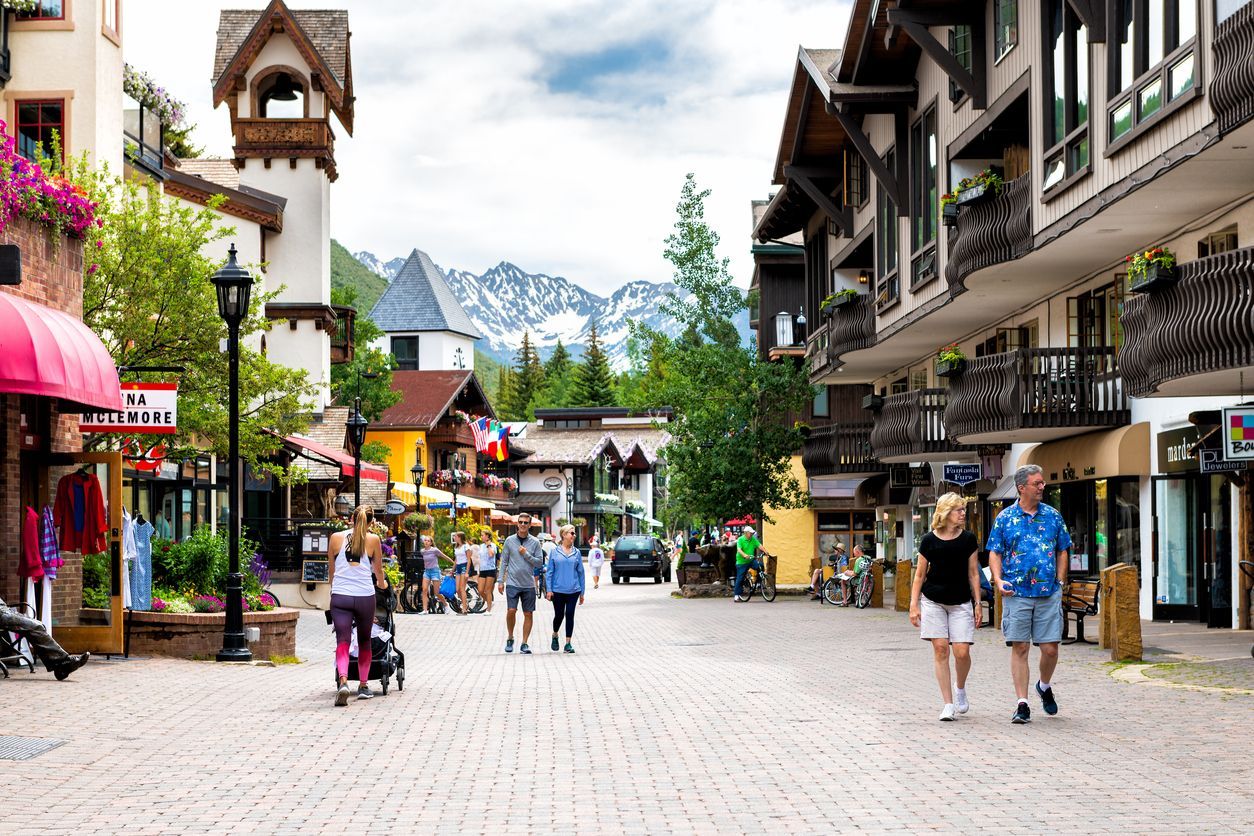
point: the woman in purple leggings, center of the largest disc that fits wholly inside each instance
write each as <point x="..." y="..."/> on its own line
<point x="356" y="558"/>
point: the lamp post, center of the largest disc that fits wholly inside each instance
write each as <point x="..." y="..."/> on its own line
<point x="357" y="425"/>
<point x="456" y="480"/>
<point x="234" y="286"/>
<point x="570" y="501"/>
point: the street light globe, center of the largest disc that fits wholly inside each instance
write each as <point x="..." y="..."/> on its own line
<point x="234" y="287"/>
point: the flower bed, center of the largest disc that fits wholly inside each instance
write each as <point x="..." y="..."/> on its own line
<point x="199" y="635"/>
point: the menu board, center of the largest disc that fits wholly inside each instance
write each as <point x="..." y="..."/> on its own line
<point x="316" y="571"/>
<point x="315" y="540"/>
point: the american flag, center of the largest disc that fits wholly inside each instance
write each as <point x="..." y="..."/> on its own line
<point x="480" y="429"/>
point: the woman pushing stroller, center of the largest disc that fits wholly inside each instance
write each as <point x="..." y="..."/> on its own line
<point x="356" y="568"/>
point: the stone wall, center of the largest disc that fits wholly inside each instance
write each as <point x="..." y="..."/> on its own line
<point x="199" y="635"/>
<point x="52" y="275"/>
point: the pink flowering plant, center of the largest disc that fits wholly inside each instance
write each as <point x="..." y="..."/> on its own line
<point x="38" y="192"/>
<point x="155" y="99"/>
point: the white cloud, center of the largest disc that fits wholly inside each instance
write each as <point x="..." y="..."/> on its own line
<point x="463" y="148"/>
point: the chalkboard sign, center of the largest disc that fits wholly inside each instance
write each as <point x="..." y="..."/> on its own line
<point x="315" y="571"/>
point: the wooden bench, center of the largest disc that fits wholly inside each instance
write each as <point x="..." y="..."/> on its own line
<point x="1079" y="599"/>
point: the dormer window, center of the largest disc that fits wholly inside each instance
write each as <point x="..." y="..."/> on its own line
<point x="281" y="96"/>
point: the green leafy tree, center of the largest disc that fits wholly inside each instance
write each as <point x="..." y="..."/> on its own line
<point x="731" y="444"/>
<point x="526" y="382"/>
<point x="151" y="301"/>
<point x="348" y="379"/>
<point x="594" y="383"/>
<point x="559" y="380"/>
<point x="178" y="141"/>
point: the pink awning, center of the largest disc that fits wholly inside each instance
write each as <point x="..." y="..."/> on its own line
<point x="348" y="469"/>
<point x="52" y="354"/>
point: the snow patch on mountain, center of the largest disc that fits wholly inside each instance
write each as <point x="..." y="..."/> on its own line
<point x="386" y="269"/>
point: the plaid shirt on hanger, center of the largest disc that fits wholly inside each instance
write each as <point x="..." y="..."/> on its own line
<point x="49" y="551"/>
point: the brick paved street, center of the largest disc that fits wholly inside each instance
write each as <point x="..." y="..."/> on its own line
<point x="675" y="716"/>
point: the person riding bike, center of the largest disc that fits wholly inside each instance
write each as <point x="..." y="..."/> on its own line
<point x="850" y="578"/>
<point x="747" y="548"/>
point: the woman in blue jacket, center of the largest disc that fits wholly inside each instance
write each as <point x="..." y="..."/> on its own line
<point x="565" y="583"/>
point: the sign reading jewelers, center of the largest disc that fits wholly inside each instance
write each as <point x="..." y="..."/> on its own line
<point x="149" y="408"/>
<point x="1238" y="433"/>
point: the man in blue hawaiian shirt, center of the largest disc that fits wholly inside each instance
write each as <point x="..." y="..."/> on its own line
<point x="1028" y="558"/>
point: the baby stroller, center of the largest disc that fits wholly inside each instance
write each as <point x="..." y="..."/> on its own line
<point x="386" y="661"/>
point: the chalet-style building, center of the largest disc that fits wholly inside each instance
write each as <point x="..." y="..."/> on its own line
<point x="1088" y="133"/>
<point x="424" y="326"/>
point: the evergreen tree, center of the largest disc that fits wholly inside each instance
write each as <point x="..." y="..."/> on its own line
<point x="525" y="383"/>
<point x="559" y="379"/>
<point x="594" y="383"/>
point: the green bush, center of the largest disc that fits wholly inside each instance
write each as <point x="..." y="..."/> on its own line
<point x="200" y="564"/>
<point x="96" y="580"/>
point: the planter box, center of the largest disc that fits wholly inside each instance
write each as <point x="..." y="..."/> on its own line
<point x="873" y="402"/>
<point x="829" y="309"/>
<point x="188" y="635"/>
<point x="949" y="214"/>
<point x="950" y="368"/>
<point x="974" y="194"/>
<point x="1155" y="278"/>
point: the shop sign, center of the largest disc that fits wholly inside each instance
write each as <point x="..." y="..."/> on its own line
<point x="904" y="476"/>
<point x="148" y="408"/>
<point x="444" y="506"/>
<point x="552" y="483"/>
<point x="1212" y="461"/>
<point x="1173" y="450"/>
<point x="962" y="474"/>
<point x="1238" y="433"/>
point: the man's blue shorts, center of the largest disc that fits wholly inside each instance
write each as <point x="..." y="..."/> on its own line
<point x="1036" y="620"/>
<point x="527" y="595"/>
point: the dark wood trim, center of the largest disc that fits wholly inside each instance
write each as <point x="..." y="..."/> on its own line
<point x="199" y="191"/>
<point x="864" y="48"/>
<point x="1150" y="124"/>
<point x="991" y="114"/>
<point x="915" y="25"/>
<point x="1129" y="95"/>
<point x="1092" y="14"/>
<point x="802" y="118"/>
<point x="321" y="315"/>
<point x="856" y="240"/>
<point x="853" y="129"/>
<point x="802" y="176"/>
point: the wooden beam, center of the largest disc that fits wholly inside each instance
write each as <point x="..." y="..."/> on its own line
<point x="864" y="48"/>
<point x="802" y="119"/>
<point x="860" y="141"/>
<point x="943" y="57"/>
<point x="1092" y="14"/>
<point x="803" y="177"/>
<point x="946" y="14"/>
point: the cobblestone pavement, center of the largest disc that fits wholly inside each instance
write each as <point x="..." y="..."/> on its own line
<point x="674" y="716"/>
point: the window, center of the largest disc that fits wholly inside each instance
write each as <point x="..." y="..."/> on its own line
<point x="45" y="10"/>
<point x="960" y="48"/>
<point x="111" y="14"/>
<point x="1005" y="27"/>
<point x="38" y="122"/>
<point x="855" y="180"/>
<point x="1066" y="94"/>
<point x="887" y="285"/>
<point x="1218" y="242"/>
<point x="1009" y="339"/>
<point x="1153" y="60"/>
<point x="923" y="196"/>
<point x="405" y="350"/>
<point x="918" y="378"/>
<point x="899" y="386"/>
<point x="822" y="407"/>
<point x="142" y="132"/>
<point x="1093" y="318"/>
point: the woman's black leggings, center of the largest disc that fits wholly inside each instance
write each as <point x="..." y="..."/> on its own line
<point x="564" y="604"/>
<point x="345" y="609"/>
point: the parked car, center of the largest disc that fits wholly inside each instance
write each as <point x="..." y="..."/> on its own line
<point x="640" y="556"/>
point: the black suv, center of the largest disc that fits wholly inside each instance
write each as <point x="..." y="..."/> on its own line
<point x="640" y="556"/>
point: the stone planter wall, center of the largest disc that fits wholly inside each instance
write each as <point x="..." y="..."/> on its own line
<point x="188" y="635"/>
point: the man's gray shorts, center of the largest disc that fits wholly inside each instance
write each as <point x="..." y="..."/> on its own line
<point x="527" y="594"/>
<point x="1036" y="620"/>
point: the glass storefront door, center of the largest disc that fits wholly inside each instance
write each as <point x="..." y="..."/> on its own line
<point x="1193" y="549"/>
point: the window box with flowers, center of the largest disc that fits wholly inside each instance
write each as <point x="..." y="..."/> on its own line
<point x="148" y="111"/>
<point x="606" y="498"/>
<point x="508" y="484"/>
<point x="445" y="478"/>
<point x="1152" y="270"/>
<point x="457" y="416"/>
<point x="950" y="361"/>
<point x="982" y="186"/>
<point x="837" y="300"/>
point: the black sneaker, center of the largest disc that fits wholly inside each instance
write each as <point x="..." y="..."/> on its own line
<point x="570" y="648"/>
<point x="364" y="692"/>
<point x="509" y="645"/>
<point x="1022" y="714"/>
<point x="70" y="665"/>
<point x="1047" y="699"/>
<point x="341" y="695"/>
<point x="554" y="645"/>
<point x="522" y="648"/>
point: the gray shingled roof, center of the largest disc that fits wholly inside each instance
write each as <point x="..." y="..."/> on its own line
<point x="327" y="30"/>
<point x="419" y="299"/>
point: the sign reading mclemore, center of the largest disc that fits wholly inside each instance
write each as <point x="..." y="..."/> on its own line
<point x="150" y="408"/>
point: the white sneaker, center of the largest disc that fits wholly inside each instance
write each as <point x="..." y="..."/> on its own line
<point x="947" y="713"/>
<point x="737" y="599"/>
<point x="960" y="701"/>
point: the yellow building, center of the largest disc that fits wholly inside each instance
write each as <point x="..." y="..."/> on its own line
<point x="792" y="536"/>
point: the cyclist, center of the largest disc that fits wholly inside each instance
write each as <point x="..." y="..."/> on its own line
<point x="747" y="548"/>
<point x="837" y="560"/>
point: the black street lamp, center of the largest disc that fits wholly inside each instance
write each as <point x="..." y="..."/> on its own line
<point x="570" y="501"/>
<point x="357" y="425"/>
<point x="456" y="481"/>
<point x="234" y="286"/>
<point x="417" y="471"/>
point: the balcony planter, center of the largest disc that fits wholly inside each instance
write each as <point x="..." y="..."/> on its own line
<point x="949" y="214"/>
<point x="950" y="368"/>
<point x="973" y="194"/>
<point x="1155" y="278"/>
<point x="873" y="402"/>
<point x="837" y="300"/>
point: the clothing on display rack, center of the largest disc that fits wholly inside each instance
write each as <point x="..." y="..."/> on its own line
<point x="79" y="512"/>
<point x="31" y="565"/>
<point x="128" y="559"/>
<point x="141" y="569"/>
<point x="49" y="551"/>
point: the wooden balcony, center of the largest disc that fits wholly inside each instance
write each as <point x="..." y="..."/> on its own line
<point x="841" y="450"/>
<point x="1232" y="91"/>
<point x="259" y="138"/>
<point x="1036" y="394"/>
<point x="993" y="231"/>
<point x="452" y="435"/>
<point x="1195" y="337"/>
<point x="342" y="334"/>
<point x="850" y="327"/>
<point x="911" y="428"/>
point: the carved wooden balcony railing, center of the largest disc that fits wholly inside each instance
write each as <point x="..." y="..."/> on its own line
<point x="911" y="427"/>
<point x="1232" y="91"/>
<point x="840" y="449"/>
<point x="852" y="326"/>
<point x="1202" y="325"/>
<point x="342" y="334"/>
<point x="290" y="138"/>
<point x="817" y="353"/>
<point x="1035" y="394"/>
<point x="448" y="433"/>
<point x="994" y="231"/>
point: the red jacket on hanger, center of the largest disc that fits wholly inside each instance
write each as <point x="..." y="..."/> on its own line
<point x="80" y="514"/>
<point x="32" y="564"/>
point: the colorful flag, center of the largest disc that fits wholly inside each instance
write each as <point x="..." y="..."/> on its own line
<point x="479" y="428"/>
<point x="498" y="444"/>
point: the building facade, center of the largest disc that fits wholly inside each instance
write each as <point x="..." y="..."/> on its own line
<point x="977" y="176"/>
<point x="424" y="326"/>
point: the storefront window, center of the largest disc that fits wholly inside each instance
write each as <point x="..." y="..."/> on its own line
<point x="1176" y="506"/>
<point x="1126" y="511"/>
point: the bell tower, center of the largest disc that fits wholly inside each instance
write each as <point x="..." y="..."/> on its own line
<point x="282" y="73"/>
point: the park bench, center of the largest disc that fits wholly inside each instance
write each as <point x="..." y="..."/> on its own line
<point x="1079" y="600"/>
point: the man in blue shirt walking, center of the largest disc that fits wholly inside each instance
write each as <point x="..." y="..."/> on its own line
<point x="1028" y="558"/>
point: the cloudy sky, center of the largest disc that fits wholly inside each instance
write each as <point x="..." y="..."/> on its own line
<point x="551" y="133"/>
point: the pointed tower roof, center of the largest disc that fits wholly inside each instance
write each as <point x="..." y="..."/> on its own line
<point x="419" y="299"/>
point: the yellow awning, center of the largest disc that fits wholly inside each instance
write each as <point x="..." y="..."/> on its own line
<point x="429" y="494"/>
<point x="406" y="492"/>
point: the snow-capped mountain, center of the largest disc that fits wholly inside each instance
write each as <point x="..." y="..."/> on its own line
<point x="506" y="301"/>
<point x="380" y="268"/>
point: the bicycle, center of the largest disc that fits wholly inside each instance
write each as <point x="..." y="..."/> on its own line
<point x="759" y="580"/>
<point x="474" y="601"/>
<point x="411" y="590"/>
<point x="856" y="590"/>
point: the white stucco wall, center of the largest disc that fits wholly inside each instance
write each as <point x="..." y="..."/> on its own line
<point x="436" y="349"/>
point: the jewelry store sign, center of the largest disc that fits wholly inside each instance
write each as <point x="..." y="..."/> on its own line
<point x="1238" y="433"/>
<point x="148" y="408"/>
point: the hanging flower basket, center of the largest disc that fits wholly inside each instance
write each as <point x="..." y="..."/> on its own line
<point x="1152" y="270"/>
<point x="949" y="214"/>
<point x="154" y="98"/>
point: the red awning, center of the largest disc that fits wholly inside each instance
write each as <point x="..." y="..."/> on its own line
<point x="746" y="520"/>
<point x="330" y="455"/>
<point x="52" y="354"/>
